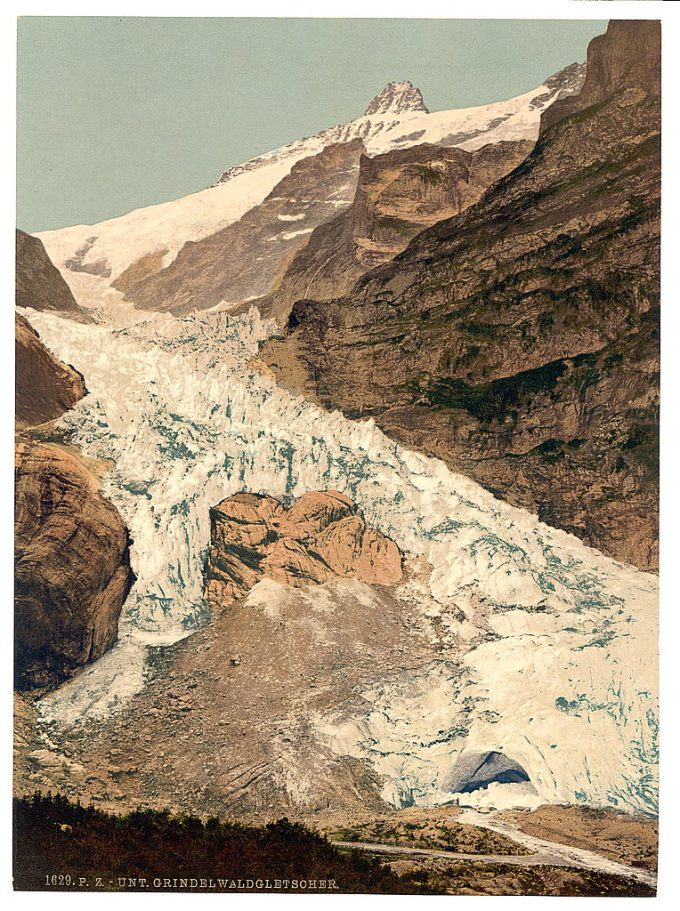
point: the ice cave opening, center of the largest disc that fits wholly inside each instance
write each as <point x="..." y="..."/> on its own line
<point x="475" y="771"/>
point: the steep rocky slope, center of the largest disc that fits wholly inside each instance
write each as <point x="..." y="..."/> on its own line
<point x="242" y="260"/>
<point x="44" y="388"/>
<point x="398" y="195"/>
<point x="72" y="570"/>
<point x="518" y="341"/>
<point x="39" y="284"/>
<point x="72" y="567"/>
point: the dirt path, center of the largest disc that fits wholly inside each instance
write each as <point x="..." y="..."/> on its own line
<point x="561" y="855"/>
<point x="546" y="853"/>
<point x="520" y="860"/>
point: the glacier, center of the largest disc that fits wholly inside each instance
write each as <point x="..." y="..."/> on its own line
<point x="553" y="659"/>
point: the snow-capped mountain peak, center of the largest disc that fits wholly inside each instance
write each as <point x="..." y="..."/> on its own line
<point x="397" y="98"/>
<point x="95" y="256"/>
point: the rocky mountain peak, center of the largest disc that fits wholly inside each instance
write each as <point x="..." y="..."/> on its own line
<point x="567" y="81"/>
<point x="397" y="98"/>
<point x="626" y="57"/>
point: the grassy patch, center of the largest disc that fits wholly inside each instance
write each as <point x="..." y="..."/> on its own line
<point x="429" y="176"/>
<point x="449" y="836"/>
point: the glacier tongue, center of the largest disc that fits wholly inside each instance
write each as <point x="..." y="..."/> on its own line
<point x="560" y="662"/>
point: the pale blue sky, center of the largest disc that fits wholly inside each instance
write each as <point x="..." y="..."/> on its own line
<point x="116" y="113"/>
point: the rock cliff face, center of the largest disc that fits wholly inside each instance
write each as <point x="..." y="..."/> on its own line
<point x="39" y="284"/>
<point x="72" y="570"/>
<point x="318" y="539"/>
<point x="242" y="260"/>
<point x="518" y="341"/>
<point x="398" y="195"/>
<point x="626" y="57"/>
<point x="45" y="388"/>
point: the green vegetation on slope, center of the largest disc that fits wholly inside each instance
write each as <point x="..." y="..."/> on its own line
<point x="54" y="837"/>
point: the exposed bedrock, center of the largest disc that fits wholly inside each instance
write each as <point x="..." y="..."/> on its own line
<point x="72" y="567"/>
<point x="518" y="341"/>
<point x="319" y="538"/>
<point x="44" y="387"/>
<point x="398" y="195"/>
<point x="242" y="260"/>
<point x="39" y="284"/>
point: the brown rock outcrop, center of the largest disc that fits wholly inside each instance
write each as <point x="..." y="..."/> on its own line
<point x="39" y="284"/>
<point x="398" y="195"/>
<point x="140" y="270"/>
<point x="45" y="388"/>
<point x="242" y="260"/>
<point x="319" y="538"/>
<point x="626" y="57"/>
<point x="518" y="341"/>
<point x="72" y="567"/>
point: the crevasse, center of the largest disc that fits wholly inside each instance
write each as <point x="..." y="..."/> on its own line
<point x="565" y="679"/>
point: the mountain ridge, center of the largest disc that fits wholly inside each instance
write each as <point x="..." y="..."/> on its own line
<point x="398" y="194"/>
<point x="159" y="232"/>
<point x="518" y="341"/>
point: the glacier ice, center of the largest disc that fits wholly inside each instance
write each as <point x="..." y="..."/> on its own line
<point x="558" y="667"/>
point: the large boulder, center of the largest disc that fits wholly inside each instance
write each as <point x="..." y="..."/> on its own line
<point x="321" y="537"/>
<point x="72" y="566"/>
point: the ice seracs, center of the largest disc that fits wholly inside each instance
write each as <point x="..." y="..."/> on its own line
<point x="546" y="649"/>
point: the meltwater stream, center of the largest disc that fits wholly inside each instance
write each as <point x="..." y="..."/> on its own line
<point x="565" y="679"/>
